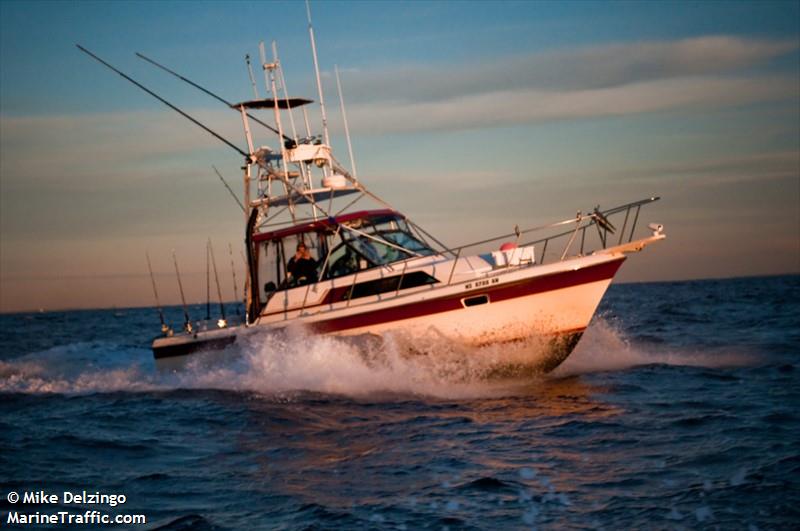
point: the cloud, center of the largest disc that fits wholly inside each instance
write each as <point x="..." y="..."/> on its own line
<point x="515" y="107"/>
<point x="610" y="80"/>
<point x="566" y="70"/>
<point x="104" y="144"/>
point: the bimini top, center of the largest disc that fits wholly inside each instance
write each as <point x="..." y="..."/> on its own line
<point x="373" y="216"/>
<point x="269" y="103"/>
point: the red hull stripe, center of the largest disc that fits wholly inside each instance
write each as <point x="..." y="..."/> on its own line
<point x="496" y="293"/>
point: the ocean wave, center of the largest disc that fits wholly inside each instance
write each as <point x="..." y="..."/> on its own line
<point x="604" y="347"/>
<point x="269" y="362"/>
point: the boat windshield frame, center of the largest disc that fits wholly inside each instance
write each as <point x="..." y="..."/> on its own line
<point x="352" y="244"/>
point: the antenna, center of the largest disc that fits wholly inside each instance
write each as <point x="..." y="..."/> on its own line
<point x="164" y="327"/>
<point x="252" y="77"/>
<point x="263" y="54"/>
<point x="344" y="118"/>
<point x="187" y="324"/>
<point x="162" y="100"/>
<point x="222" y="323"/>
<point x="285" y="90"/>
<point x="319" y="81"/>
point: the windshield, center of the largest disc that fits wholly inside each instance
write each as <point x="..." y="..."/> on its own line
<point x="406" y="241"/>
<point x="357" y="252"/>
<point x="376" y="252"/>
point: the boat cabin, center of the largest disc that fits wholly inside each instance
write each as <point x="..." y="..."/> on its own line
<point x="338" y="246"/>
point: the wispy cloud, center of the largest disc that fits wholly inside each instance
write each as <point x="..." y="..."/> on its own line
<point x="503" y="108"/>
<point x="567" y="70"/>
<point x="613" y="80"/>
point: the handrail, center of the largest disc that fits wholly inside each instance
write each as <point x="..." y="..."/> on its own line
<point x="582" y="222"/>
<point x="589" y="219"/>
<point x="578" y="220"/>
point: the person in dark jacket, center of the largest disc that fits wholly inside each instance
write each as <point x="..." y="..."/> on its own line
<point x="302" y="269"/>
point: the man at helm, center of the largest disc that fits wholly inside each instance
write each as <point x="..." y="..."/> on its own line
<point x="302" y="269"/>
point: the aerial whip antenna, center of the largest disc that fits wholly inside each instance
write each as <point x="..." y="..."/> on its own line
<point x="319" y="80"/>
<point x="285" y="90"/>
<point x="187" y="324"/>
<point x="215" y="96"/>
<point x="164" y="327"/>
<point x="344" y="119"/>
<point x="162" y="100"/>
<point x="221" y="178"/>
<point x="252" y="77"/>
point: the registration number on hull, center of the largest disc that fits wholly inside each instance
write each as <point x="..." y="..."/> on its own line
<point x="481" y="283"/>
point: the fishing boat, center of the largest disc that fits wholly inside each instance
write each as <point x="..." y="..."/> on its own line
<point x="325" y="253"/>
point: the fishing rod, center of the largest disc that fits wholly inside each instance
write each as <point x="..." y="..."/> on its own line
<point x="221" y="323"/>
<point x="187" y="324"/>
<point x="208" y="284"/>
<point x="233" y="272"/>
<point x="164" y="327"/>
<point x="221" y="178"/>
<point x="165" y="102"/>
<point x="215" y="96"/>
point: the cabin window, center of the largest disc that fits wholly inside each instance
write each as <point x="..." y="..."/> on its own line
<point x="376" y="252"/>
<point x="384" y="285"/>
<point x="343" y="261"/>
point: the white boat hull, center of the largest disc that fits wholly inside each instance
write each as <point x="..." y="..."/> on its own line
<point x="547" y="307"/>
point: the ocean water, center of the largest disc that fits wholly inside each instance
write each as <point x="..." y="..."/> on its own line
<point x="680" y="409"/>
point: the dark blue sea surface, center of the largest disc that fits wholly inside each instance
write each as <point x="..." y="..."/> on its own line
<point x="680" y="408"/>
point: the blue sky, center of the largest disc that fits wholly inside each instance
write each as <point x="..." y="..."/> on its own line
<point x="508" y="112"/>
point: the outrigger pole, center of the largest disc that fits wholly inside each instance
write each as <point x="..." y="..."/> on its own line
<point x="216" y="96"/>
<point x="165" y="102"/>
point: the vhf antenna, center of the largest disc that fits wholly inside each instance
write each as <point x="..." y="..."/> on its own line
<point x="252" y="77"/>
<point x="319" y="80"/>
<point x="344" y="119"/>
<point x="282" y="81"/>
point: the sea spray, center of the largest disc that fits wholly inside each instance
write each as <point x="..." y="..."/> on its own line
<point x="294" y="359"/>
